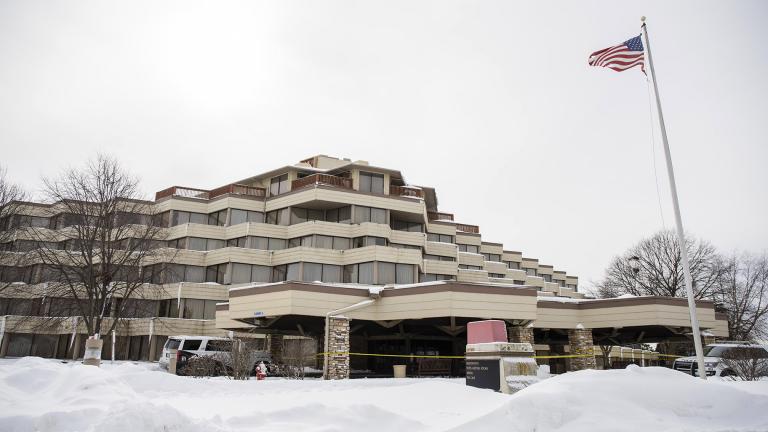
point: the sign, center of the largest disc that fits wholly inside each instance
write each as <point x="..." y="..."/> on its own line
<point x="483" y="374"/>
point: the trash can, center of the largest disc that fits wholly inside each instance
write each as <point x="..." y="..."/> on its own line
<point x="399" y="371"/>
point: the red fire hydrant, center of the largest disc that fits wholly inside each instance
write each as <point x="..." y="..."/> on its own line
<point x="261" y="371"/>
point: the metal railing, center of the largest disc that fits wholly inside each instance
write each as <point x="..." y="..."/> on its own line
<point x="181" y="191"/>
<point x="324" y="179"/>
<point x="239" y="189"/>
<point x="406" y="191"/>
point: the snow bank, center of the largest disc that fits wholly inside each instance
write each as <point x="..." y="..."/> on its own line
<point x="47" y="395"/>
<point x="632" y="399"/>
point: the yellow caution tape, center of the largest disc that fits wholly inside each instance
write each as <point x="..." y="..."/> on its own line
<point x="414" y="356"/>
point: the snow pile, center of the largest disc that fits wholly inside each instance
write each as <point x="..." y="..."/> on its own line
<point x="47" y="395"/>
<point x="632" y="399"/>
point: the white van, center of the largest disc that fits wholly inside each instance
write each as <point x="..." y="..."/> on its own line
<point x="190" y="346"/>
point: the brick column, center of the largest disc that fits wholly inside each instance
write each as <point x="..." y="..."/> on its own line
<point x="520" y="334"/>
<point x="338" y="342"/>
<point x="580" y="341"/>
<point x="276" y="347"/>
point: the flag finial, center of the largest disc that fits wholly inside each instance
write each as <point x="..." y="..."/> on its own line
<point x="642" y="18"/>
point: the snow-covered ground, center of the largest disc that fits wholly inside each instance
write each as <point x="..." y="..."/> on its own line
<point x="47" y="395"/>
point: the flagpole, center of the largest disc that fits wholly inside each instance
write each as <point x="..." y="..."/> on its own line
<point x="678" y="218"/>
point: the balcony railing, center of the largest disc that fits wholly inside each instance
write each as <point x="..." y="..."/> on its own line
<point x="439" y="216"/>
<point x="322" y="179"/>
<point x="406" y="191"/>
<point x="239" y="189"/>
<point x="202" y="194"/>
<point x="184" y="192"/>
<point x="474" y="229"/>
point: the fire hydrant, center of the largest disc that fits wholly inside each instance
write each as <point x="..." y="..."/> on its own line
<point x="261" y="371"/>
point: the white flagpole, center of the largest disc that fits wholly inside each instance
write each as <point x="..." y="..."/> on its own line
<point x="678" y="218"/>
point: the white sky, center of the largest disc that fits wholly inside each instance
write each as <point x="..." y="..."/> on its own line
<point x="490" y="102"/>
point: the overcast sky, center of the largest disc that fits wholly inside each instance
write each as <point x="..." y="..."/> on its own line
<point x="491" y="102"/>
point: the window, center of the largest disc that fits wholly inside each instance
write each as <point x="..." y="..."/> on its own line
<point x="359" y="242"/>
<point x="430" y="277"/>
<point x="215" y="273"/>
<point x="258" y="243"/>
<point x="370" y="214"/>
<point x="312" y="272"/>
<point x="469" y="248"/>
<point x="547" y="277"/>
<point x="218" y="218"/>
<point x="240" y="242"/>
<point x="571" y="286"/>
<point x="443" y="238"/>
<point x="399" y="225"/>
<point x="492" y="257"/>
<point x="497" y="275"/>
<point x="279" y="273"/>
<point x="439" y="257"/>
<point x="299" y="215"/>
<point x="279" y="217"/>
<point x="237" y="216"/>
<point x="404" y="246"/>
<point x="513" y="265"/>
<point x="193" y="309"/>
<point x="530" y="272"/>
<point x="293" y="272"/>
<point x="323" y="242"/>
<point x="196" y="243"/>
<point x="370" y="182"/>
<point x="278" y="185"/>
<point x="469" y="267"/>
<point x="182" y="217"/>
<point x="244" y="273"/>
<point x="339" y="215"/>
<point x="387" y="273"/>
<point x="404" y="274"/>
<point x="331" y="273"/>
<point x="276" y="244"/>
<point x="359" y="273"/>
<point x="518" y="282"/>
<point x="561" y="283"/>
<point x="191" y="344"/>
<point x="341" y="243"/>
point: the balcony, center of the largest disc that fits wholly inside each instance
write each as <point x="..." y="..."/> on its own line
<point x="406" y="191"/>
<point x="202" y="194"/>
<point x="439" y="216"/>
<point x="322" y="179"/>
<point x="472" y="229"/>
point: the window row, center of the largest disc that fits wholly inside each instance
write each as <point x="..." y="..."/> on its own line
<point x="439" y="257"/>
<point x="443" y="238"/>
<point x="469" y="248"/>
<point x="269" y="243"/>
<point x="491" y="257"/>
<point x="431" y="277"/>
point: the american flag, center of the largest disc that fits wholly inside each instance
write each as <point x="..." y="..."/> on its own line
<point x="620" y="57"/>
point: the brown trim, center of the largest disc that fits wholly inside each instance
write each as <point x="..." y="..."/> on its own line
<point x="492" y="244"/>
<point x="460" y="287"/>
<point x="298" y="286"/>
<point x="464" y="233"/>
<point x="639" y="301"/>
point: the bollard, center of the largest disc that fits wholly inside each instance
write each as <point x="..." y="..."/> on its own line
<point x="172" y="361"/>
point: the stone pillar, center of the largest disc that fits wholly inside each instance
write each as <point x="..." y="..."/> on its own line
<point x="338" y="342"/>
<point x="580" y="341"/>
<point x="275" y="345"/>
<point x="520" y="334"/>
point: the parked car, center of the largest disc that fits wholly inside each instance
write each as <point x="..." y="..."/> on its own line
<point x="190" y="346"/>
<point x="713" y="358"/>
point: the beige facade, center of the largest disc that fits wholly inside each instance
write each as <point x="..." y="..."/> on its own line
<point x="288" y="246"/>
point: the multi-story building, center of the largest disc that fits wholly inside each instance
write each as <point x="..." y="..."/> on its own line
<point x="276" y="254"/>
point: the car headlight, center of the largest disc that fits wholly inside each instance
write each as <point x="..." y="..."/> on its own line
<point x="710" y="364"/>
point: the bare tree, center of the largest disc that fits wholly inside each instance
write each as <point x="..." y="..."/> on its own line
<point x="742" y="292"/>
<point x="11" y="201"/>
<point x="297" y="354"/>
<point x="660" y="270"/>
<point x="748" y="363"/>
<point x="105" y="233"/>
